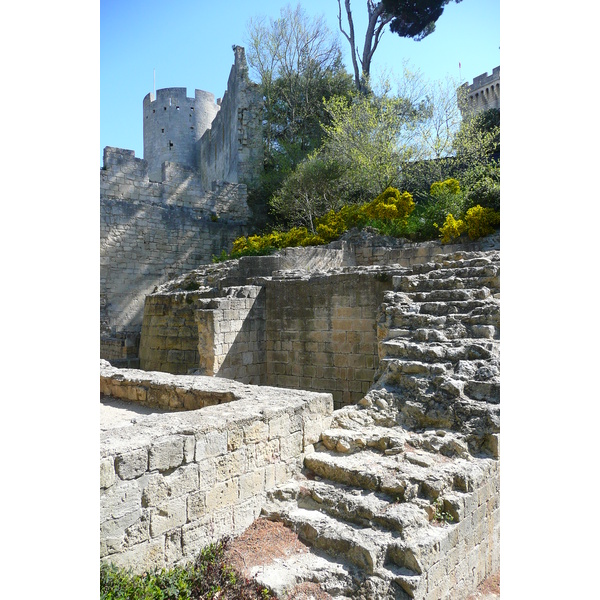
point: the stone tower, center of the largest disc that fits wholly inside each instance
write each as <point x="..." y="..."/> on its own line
<point x="173" y="123"/>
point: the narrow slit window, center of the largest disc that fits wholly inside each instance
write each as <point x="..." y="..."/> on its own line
<point x="162" y="130"/>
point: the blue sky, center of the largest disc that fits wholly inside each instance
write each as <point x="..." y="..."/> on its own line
<point x="188" y="43"/>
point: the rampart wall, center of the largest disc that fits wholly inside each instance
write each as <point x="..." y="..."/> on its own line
<point x="482" y="94"/>
<point x="170" y="484"/>
<point x="150" y="232"/>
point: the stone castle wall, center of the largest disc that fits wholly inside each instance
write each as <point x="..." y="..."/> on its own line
<point x="150" y="232"/>
<point x="185" y="202"/>
<point x="170" y="484"/>
<point x="482" y="94"/>
<point x="231" y="149"/>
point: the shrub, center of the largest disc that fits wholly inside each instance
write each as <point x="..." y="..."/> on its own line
<point x="445" y="197"/>
<point x="208" y="578"/>
<point x="480" y="221"/>
<point x="451" y="228"/>
<point x="390" y="205"/>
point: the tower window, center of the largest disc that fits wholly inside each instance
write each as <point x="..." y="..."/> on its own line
<point x="170" y="144"/>
<point x="165" y="108"/>
<point x="162" y="130"/>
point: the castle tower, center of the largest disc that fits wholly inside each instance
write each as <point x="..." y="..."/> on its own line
<point x="173" y="123"/>
<point x="481" y="95"/>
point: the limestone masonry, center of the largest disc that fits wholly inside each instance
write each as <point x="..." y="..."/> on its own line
<point x="350" y="391"/>
<point x="184" y="202"/>
<point x="482" y="94"/>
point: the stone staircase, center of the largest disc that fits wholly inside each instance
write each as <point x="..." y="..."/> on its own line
<point x="400" y="498"/>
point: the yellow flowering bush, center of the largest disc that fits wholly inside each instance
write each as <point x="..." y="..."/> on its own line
<point x="480" y="221"/>
<point x="451" y="229"/>
<point x="440" y="188"/>
<point x="390" y="204"/>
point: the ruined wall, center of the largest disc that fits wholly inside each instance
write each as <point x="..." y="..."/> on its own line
<point x="231" y="335"/>
<point x="150" y="232"/>
<point x="232" y="149"/>
<point x="170" y="484"/>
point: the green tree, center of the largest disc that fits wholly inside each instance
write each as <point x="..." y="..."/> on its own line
<point x="477" y="158"/>
<point x="298" y="63"/>
<point x="413" y="19"/>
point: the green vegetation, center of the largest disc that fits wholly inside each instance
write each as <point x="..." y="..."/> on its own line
<point x="209" y="577"/>
<point x="333" y="144"/>
<point x="391" y="213"/>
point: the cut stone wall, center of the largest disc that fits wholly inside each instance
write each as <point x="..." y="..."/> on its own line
<point x="150" y="232"/>
<point x="231" y="335"/>
<point x="321" y="332"/>
<point x="172" y="483"/>
<point x="232" y="148"/>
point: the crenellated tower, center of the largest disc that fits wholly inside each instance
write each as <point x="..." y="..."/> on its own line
<point x="173" y="123"/>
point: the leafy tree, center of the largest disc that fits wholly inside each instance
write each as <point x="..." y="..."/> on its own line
<point x="413" y="19"/>
<point x="477" y="158"/>
<point x="298" y="63"/>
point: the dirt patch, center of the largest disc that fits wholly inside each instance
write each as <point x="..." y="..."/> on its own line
<point x="262" y="543"/>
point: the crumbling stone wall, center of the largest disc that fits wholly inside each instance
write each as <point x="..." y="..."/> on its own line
<point x="232" y="149"/>
<point x="172" y="483"/>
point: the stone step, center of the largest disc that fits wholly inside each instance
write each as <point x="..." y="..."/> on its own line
<point x="364" y="547"/>
<point x="445" y="295"/>
<point x="417" y="283"/>
<point x="439" y="351"/>
<point x="408" y="476"/>
<point x="456" y="262"/>
<point x="456" y="332"/>
<point x="359" y="507"/>
<point x="396" y="318"/>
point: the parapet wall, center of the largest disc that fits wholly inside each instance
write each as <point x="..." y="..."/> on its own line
<point x="482" y="94"/>
<point x="170" y="484"/>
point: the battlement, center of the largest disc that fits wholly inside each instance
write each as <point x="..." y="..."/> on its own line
<point x="482" y="94"/>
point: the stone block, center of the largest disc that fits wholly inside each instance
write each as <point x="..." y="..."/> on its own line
<point x="231" y="464"/>
<point x="224" y="493"/>
<point x="107" y="472"/>
<point x="257" y="431"/>
<point x="212" y="443"/>
<point x="140" y="558"/>
<point x="166" y="454"/>
<point x="167" y="516"/>
<point x="291" y="446"/>
<point x="180" y="482"/>
<point x="252" y="484"/>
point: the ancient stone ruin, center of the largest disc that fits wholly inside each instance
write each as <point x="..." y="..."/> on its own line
<point x="349" y="391"/>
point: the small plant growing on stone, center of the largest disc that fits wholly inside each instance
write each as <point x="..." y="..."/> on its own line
<point x="440" y="515"/>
